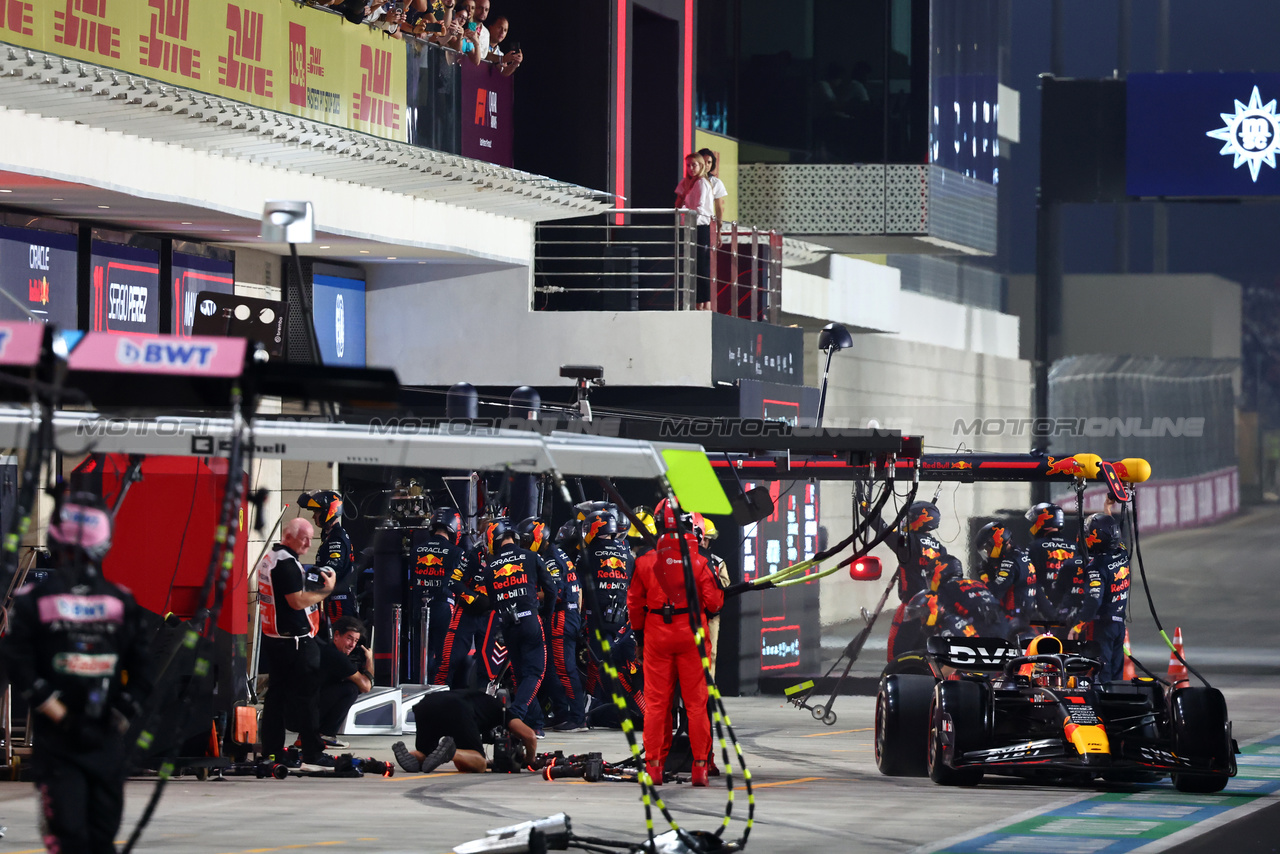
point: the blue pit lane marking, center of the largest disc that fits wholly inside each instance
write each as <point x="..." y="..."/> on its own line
<point x="1148" y="820"/>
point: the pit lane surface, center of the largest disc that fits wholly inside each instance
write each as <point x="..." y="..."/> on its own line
<point x="817" y="789"/>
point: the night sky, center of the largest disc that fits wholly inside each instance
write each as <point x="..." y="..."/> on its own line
<point x="1238" y="241"/>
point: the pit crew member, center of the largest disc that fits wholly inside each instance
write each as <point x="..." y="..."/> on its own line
<point x="454" y="725"/>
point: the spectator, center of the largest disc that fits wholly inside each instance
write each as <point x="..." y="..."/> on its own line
<point x="460" y="34"/>
<point x="509" y="61"/>
<point x="478" y="17"/>
<point x="718" y="191"/>
<point x="346" y="672"/>
<point x="694" y="193"/>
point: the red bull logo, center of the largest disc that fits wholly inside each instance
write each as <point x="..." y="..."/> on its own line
<point x="507" y="569"/>
<point x="614" y="563"/>
<point x="1093" y="539"/>
<point x="1066" y="465"/>
<point x="918" y="522"/>
<point x="962" y="465"/>
<point x="997" y="541"/>
<point x="1042" y="517"/>
<point x="1061" y="554"/>
<point x="430" y="560"/>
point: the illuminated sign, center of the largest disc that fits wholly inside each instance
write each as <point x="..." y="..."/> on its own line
<point x="1251" y="134"/>
<point x="192" y="274"/>
<point x="38" y="270"/>
<point x="124" y="289"/>
<point x="338" y="315"/>
<point x="1190" y="135"/>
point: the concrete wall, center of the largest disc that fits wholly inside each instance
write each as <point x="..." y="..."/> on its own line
<point x="441" y="323"/>
<point x="1143" y="315"/>
<point x="921" y="389"/>
<point x="859" y="294"/>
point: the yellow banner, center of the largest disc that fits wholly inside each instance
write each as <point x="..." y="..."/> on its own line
<point x="273" y="54"/>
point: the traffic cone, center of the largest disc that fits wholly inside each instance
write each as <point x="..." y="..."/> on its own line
<point x="1177" y="670"/>
<point x="1129" y="671"/>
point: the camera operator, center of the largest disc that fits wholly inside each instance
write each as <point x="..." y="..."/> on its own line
<point x="454" y="725"/>
<point x="77" y="650"/>
<point x="290" y="599"/>
<point x="346" y="672"/>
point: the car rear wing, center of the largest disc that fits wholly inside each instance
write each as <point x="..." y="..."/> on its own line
<point x="991" y="654"/>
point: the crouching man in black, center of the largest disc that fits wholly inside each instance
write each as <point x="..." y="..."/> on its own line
<point x="346" y="672"/>
<point x="454" y="725"/>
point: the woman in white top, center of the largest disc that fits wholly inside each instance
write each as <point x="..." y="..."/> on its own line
<point x="694" y="193"/>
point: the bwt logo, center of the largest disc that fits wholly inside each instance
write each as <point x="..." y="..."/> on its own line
<point x="167" y="355"/>
<point x="127" y="303"/>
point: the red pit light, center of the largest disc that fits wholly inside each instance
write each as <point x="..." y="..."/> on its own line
<point x="866" y="569"/>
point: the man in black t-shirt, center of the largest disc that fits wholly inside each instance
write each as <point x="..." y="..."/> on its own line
<point x="290" y="619"/>
<point x="455" y="725"/>
<point x="346" y="672"/>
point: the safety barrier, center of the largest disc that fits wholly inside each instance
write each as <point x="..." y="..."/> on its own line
<point x="654" y="259"/>
<point x="1172" y="505"/>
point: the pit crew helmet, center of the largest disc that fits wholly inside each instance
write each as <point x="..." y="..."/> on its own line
<point x="79" y="534"/>
<point x="532" y="533"/>
<point x="449" y="520"/>
<point x="922" y="517"/>
<point x="598" y="523"/>
<point x="1102" y="533"/>
<point x="646" y="519"/>
<point x="498" y="529"/>
<point x="1045" y="517"/>
<point x="992" y="540"/>
<point x="325" y="507"/>
<point x="569" y="535"/>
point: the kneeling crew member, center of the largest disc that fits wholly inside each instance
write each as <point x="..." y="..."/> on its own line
<point x="346" y="672"/>
<point x="657" y="600"/>
<point x="1009" y="575"/>
<point x="453" y="725"/>
<point x="290" y="620"/>
<point x="76" y="650"/>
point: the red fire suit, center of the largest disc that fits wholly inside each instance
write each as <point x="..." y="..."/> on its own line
<point x="656" y="600"/>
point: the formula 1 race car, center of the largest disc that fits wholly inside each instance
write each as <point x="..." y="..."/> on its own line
<point x="996" y="710"/>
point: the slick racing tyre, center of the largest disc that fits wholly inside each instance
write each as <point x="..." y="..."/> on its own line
<point x="1202" y="732"/>
<point x="909" y="662"/>
<point x="902" y="723"/>
<point x="956" y="725"/>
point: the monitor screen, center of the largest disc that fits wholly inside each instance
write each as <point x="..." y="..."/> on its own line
<point x="38" y="270"/>
<point x="124" y="289"/>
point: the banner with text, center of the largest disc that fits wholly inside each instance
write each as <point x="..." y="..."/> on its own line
<point x="272" y="54"/>
<point x="488" y="114"/>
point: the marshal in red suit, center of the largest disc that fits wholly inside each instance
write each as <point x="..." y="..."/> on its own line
<point x="658" y="604"/>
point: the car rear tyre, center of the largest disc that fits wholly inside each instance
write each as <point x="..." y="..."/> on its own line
<point x="902" y="724"/>
<point x="913" y="663"/>
<point x="961" y="705"/>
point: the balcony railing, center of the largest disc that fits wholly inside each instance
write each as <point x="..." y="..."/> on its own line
<point x="651" y="259"/>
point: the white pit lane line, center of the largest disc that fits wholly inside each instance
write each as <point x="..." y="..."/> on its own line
<point x="1153" y="847"/>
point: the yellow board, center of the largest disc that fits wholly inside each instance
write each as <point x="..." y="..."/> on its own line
<point x="695" y="482"/>
<point x="726" y="149"/>
<point x="267" y="53"/>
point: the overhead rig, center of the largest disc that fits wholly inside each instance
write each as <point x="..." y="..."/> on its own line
<point x="222" y="381"/>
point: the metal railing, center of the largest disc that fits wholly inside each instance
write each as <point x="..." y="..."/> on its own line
<point x="657" y="259"/>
